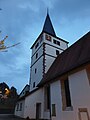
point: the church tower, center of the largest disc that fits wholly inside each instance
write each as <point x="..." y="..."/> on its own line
<point x="44" y="51"/>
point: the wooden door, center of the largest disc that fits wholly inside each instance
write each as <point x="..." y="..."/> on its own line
<point x="38" y="111"/>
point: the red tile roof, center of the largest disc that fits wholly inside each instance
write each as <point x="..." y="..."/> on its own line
<point x="73" y="57"/>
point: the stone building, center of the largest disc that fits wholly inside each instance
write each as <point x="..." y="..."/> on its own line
<point x="59" y="78"/>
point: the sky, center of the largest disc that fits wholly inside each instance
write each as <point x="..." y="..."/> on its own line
<point x="23" y="20"/>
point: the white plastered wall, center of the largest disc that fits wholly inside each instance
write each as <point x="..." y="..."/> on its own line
<point x="39" y="42"/>
<point x="20" y="113"/>
<point x="56" y="99"/>
<point x="40" y="52"/>
<point x="80" y="91"/>
<point x="30" y="104"/>
<point x="48" y="62"/>
<point x="80" y="96"/>
<point x="63" y="45"/>
<point x="36" y="77"/>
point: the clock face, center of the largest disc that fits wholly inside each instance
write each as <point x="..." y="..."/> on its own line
<point x="48" y="37"/>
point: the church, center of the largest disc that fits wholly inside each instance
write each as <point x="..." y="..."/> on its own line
<point x="59" y="86"/>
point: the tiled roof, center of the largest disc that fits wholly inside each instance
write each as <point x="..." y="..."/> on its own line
<point x="48" y="27"/>
<point x="73" y="57"/>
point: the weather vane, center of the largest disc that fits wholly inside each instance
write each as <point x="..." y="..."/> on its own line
<point x="4" y="48"/>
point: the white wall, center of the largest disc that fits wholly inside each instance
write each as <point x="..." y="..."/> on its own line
<point x="36" y="77"/>
<point x="50" y="56"/>
<point x="23" y="92"/>
<point x="63" y="45"/>
<point x="80" y="96"/>
<point x="40" y="52"/>
<point x="52" y="50"/>
<point x="38" y="63"/>
<point x="80" y="91"/>
<point x="38" y="41"/>
<point x="48" y="62"/>
<point x="20" y="113"/>
<point x="56" y="99"/>
<point x="30" y="104"/>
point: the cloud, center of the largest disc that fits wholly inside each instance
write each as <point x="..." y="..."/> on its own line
<point x="49" y="4"/>
<point x="72" y="8"/>
<point x="29" y="5"/>
<point x="22" y="21"/>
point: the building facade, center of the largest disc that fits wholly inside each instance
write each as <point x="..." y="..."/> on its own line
<point x="59" y="78"/>
<point x="44" y="51"/>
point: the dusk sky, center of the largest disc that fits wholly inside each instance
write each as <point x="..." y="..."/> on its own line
<point x="22" y="21"/>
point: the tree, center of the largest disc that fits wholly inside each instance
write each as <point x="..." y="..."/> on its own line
<point x="3" y="47"/>
<point x="8" y="98"/>
<point x="3" y="87"/>
<point x="13" y="92"/>
<point x="5" y="90"/>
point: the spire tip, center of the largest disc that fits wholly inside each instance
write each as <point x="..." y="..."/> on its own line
<point x="47" y="11"/>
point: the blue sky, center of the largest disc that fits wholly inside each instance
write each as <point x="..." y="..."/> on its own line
<point x="22" y="21"/>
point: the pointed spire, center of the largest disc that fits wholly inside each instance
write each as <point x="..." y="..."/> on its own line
<point x="47" y="10"/>
<point x="48" y="27"/>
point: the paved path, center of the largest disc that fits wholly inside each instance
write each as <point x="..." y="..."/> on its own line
<point x="9" y="117"/>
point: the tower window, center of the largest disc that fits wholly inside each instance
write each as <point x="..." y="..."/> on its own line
<point x="66" y="98"/>
<point x="36" y="45"/>
<point x="47" y="97"/>
<point x="57" y="52"/>
<point x="17" y="107"/>
<point x="35" y="70"/>
<point x="56" y="42"/>
<point x="20" y="106"/>
<point x="36" y="55"/>
<point x="53" y="110"/>
<point x="67" y="92"/>
<point x="33" y="84"/>
<point x="48" y="37"/>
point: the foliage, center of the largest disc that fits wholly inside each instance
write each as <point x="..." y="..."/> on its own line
<point x="6" y="92"/>
<point x="3" y="47"/>
<point x="8" y="96"/>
